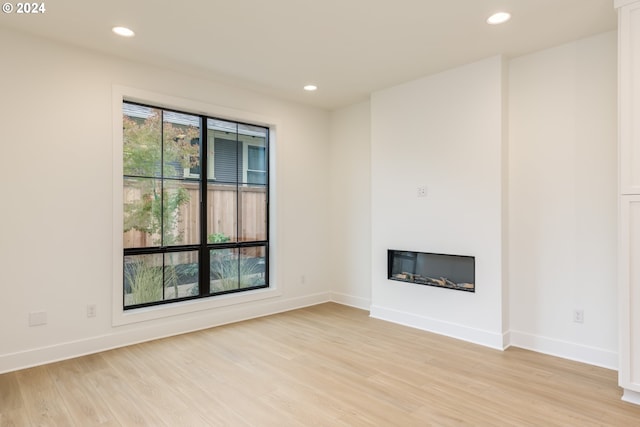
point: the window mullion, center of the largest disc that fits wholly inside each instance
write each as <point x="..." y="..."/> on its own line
<point x="162" y="245"/>
<point x="164" y="271"/>
<point x="239" y="174"/>
<point x="203" y="257"/>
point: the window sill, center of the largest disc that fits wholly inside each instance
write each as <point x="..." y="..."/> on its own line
<point x="122" y="317"/>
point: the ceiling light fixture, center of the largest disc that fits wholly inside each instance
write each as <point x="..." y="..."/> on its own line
<point x="310" y="88"/>
<point x="123" y="31"/>
<point x="498" y="18"/>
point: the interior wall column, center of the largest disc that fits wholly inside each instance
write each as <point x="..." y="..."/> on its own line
<point x="629" y="197"/>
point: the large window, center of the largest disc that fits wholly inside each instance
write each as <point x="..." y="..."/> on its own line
<point x="188" y="233"/>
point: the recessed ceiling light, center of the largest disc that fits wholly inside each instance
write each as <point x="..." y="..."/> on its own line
<point x="498" y="18"/>
<point x="310" y="88"/>
<point x="123" y="31"/>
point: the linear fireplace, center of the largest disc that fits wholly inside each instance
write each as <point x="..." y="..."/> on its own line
<point x="444" y="271"/>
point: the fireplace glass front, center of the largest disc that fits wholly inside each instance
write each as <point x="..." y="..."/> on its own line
<point x="422" y="268"/>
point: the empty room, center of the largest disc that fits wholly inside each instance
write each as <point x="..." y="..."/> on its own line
<point x="332" y="213"/>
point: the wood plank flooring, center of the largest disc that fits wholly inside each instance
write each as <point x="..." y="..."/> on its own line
<point x="327" y="365"/>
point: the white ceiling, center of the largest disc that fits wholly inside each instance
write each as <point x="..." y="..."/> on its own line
<point x="349" y="48"/>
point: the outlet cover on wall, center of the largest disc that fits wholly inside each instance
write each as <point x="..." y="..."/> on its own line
<point x="91" y="310"/>
<point x="422" y="191"/>
<point x="37" y="318"/>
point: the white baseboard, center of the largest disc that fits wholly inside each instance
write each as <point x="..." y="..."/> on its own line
<point x="351" y="301"/>
<point x="453" y="330"/>
<point x="631" y="396"/>
<point x="211" y="318"/>
<point x="565" y="349"/>
<point x="154" y="330"/>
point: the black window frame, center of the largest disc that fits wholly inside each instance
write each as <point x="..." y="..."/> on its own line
<point x="204" y="248"/>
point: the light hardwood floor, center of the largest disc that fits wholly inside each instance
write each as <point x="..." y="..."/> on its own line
<point x="327" y="365"/>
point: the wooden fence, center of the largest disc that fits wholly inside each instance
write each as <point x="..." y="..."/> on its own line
<point x="223" y="202"/>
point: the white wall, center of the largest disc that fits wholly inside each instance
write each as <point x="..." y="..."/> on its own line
<point x="350" y="179"/>
<point x="56" y="184"/>
<point x="444" y="132"/>
<point x="562" y="192"/>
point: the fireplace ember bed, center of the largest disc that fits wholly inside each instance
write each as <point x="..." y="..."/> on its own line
<point x="430" y="269"/>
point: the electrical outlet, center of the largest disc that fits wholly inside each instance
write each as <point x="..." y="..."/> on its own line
<point x="578" y="316"/>
<point x="422" y="191"/>
<point x="91" y="310"/>
<point x="37" y="318"/>
<point x="303" y="279"/>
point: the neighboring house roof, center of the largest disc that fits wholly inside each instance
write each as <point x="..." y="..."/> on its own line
<point x="143" y="112"/>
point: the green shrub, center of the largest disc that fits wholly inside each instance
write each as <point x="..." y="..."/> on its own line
<point x="144" y="281"/>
